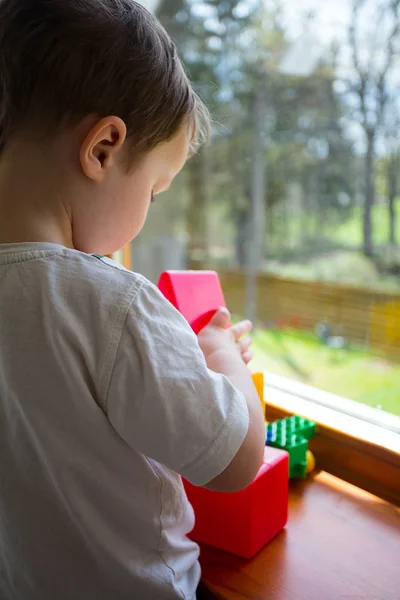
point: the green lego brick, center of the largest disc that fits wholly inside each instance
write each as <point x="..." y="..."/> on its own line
<point x="293" y="425"/>
<point x="298" y="470"/>
<point x="302" y="426"/>
<point x="292" y="434"/>
<point x="280" y="435"/>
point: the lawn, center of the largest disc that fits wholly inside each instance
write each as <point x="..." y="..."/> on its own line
<point x="350" y="232"/>
<point x="350" y="372"/>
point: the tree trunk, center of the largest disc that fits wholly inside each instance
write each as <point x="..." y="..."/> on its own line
<point x="197" y="211"/>
<point x="369" y="195"/>
<point x="241" y="237"/>
<point x="392" y="220"/>
<point x="239" y="200"/>
<point x="256" y="237"/>
<point x="392" y="186"/>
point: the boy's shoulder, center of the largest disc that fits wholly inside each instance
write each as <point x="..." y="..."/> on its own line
<point x="69" y="274"/>
<point x="103" y="276"/>
<point x="97" y="269"/>
<point x="110" y="269"/>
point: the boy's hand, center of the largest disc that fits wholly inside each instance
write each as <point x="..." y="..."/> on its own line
<point x="222" y="344"/>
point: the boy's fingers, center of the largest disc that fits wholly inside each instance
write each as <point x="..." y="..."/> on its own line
<point x="247" y="357"/>
<point x="245" y="344"/>
<point x="222" y="318"/>
<point x="241" y="329"/>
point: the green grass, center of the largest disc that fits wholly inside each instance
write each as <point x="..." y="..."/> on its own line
<point x="336" y="256"/>
<point x="350" y="232"/>
<point x="351" y="373"/>
<point x="343" y="267"/>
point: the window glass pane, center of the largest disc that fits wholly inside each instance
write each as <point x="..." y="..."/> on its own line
<point x="300" y="184"/>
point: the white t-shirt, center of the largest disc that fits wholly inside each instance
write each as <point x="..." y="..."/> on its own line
<point x="105" y="399"/>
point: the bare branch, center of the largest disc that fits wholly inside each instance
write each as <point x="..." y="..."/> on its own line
<point x="363" y="77"/>
<point x="353" y="35"/>
<point x="382" y="95"/>
<point x="374" y="41"/>
<point x="367" y="84"/>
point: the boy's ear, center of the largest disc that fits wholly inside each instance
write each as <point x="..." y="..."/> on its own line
<point x="101" y="147"/>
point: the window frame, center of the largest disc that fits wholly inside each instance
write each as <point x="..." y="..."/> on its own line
<point x="344" y="406"/>
<point x="363" y="453"/>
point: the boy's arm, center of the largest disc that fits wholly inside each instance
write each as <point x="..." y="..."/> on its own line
<point x="246" y="463"/>
<point x="220" y="347"/>
<point x="167" y="403"/>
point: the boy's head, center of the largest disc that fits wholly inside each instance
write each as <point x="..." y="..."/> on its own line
<point x="99" y="83"/>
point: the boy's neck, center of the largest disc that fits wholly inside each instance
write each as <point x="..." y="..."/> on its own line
<point x="33" y="190"/>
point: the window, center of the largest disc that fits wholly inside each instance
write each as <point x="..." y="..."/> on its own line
<point x="294" y="203"/>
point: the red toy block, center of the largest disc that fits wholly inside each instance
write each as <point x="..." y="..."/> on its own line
<point x="244" y="522"/>
<point x="196" y="294"/>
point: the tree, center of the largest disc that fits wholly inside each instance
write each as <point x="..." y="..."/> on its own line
<point x="300" y="149"/>
<point x="391" y="162"/>
<point x="372" y="68"/>
<point x="206" y="33"/>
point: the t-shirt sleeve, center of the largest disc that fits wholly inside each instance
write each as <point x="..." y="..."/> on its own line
<point x="164" y="401"/>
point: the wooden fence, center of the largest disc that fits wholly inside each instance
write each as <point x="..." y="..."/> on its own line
<point x="365" y="317"/>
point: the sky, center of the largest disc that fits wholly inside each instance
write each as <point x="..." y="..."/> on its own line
<point x="331" y="16"/>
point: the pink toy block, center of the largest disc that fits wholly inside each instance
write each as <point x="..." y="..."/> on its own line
<point x="196" y="294"/>
<point x="244" y="522"/>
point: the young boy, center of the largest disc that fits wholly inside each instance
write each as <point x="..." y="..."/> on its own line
<point x="106" y="396"/>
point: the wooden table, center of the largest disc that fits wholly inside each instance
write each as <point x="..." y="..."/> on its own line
<point x="341" y="543"/>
